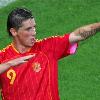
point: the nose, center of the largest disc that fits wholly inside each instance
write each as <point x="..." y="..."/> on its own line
<point x="33" y="31"/>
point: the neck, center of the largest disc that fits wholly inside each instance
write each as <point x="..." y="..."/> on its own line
<point x="20" y="48"/>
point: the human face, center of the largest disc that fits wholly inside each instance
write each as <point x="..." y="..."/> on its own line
<point x="26" y="33"/>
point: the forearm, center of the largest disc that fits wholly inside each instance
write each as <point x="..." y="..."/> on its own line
<point x="4" y="67"/>
<point x="88" y="30"/>
<point x="14" y="62"/>
<point x="84" y="32"/>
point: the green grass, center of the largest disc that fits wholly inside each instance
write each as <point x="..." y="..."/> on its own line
<point x="79" y="75"/>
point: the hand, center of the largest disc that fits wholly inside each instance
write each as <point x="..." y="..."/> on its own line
<point x="19" y="60"/>
<point x="14" y="62"/>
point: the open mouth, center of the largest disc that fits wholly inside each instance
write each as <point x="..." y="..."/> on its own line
<point x="33" y="40"/>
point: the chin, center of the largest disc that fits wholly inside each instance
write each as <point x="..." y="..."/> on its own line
<point x="30" y="45"/>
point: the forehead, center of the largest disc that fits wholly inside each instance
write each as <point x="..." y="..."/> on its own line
<point x="28" y="22"/>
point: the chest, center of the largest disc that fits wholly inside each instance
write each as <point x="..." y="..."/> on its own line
<point x="33" y="71"/>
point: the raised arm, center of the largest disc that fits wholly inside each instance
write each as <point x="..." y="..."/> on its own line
<point x="14" y="62"/>
<point x="84" y="32"/>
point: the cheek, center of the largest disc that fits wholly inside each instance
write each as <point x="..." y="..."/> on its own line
<point x="24" y="35"/>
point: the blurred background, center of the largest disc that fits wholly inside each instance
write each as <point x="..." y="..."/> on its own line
<point x="79" y="74"/>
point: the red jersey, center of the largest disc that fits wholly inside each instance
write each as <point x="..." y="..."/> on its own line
<point x="36" y="79"/>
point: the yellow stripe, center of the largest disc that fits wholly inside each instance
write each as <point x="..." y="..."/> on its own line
<point x="14" y="48"/>
<point x="17" y="50"/>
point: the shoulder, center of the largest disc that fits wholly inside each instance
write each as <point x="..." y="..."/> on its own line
<point x="5" y="49"/>
<point x="51" y="38"/>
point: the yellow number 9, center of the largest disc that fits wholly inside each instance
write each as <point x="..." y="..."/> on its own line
<point x="11" y="74"/>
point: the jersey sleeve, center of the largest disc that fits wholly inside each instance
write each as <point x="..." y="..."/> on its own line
<point x="59" y="46"/>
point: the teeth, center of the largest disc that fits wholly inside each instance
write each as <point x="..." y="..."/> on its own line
<point x="32" y="40"/>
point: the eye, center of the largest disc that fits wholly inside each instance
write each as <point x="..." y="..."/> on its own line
<point x="29" y="28"/>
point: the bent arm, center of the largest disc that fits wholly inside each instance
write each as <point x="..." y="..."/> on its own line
<point x="14" y="62"/>
<point x="84" y="32"/>
<point x="4" y="67"/>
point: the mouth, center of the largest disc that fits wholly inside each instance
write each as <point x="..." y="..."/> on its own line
<point x="33" y="40"/>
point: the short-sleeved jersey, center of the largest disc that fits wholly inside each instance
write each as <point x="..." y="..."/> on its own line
<point x="36" y="79"/>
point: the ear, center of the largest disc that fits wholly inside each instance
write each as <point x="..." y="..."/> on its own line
<point x="13" y="32"/>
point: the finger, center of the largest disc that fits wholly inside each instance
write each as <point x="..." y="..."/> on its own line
<point x="27" y="57"/>
<point x="20" y="63"/>
<point x="24" y="61"/>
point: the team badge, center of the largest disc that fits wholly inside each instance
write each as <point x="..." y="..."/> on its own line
<point x="36" y="66"/>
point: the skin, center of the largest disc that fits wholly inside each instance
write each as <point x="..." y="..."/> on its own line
<point x="84" y="32"/>
<point x="18" y="61"/>
<point x="24" y="39"/>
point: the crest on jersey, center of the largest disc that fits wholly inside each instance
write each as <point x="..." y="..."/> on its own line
<point x="36" y="67"/>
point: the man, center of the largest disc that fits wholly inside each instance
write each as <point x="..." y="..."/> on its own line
<point x="29" y="67"/>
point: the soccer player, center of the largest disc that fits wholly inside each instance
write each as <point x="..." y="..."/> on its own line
<point x="29" y="67"/>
